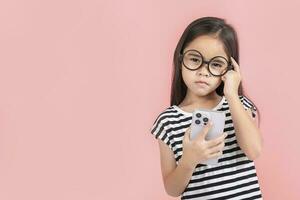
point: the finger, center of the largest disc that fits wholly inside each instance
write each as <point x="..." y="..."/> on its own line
<point x="187" y="134"/>
<point x="216" y="141"/>
<point x="204" y="131"/>
<point x="216" y="148"/>
<point x="236" y="66"/>
<point x="216" y="155"/>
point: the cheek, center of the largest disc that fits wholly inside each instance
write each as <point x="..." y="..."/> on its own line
<point x="216" y="82"/>
<point x="187" y="76"/>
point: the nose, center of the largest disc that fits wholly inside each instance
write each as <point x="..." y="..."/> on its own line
<point x="205" y="72"/>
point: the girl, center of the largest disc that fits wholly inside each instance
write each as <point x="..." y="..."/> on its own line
<point x="207" y="75"/>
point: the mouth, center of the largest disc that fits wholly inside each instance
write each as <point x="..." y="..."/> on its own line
<point x="201" y="82"/>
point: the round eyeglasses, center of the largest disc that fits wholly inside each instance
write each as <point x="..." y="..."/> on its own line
<point x="217" y="66"/>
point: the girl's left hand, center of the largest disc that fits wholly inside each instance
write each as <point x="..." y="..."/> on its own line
<point x="232" y="79"/>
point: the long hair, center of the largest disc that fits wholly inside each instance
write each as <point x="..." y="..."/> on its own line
<point x="204" y="26"/>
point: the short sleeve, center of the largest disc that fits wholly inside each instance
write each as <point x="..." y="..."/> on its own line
<point x="248" y="104"/>
<point x="160" y="131"/>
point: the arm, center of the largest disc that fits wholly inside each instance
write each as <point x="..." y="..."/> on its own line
<point x="175" y="177"/>
<point x="247" y="133"/>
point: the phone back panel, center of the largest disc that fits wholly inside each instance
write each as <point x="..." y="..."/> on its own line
<point x="200" y="119"/>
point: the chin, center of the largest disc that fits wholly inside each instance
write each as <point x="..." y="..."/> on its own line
<point x="201" y="92"/>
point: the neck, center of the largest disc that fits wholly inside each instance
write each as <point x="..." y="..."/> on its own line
<point x="201" y="101"/>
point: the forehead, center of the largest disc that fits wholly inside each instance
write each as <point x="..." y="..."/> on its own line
<point x="208" y="46"/>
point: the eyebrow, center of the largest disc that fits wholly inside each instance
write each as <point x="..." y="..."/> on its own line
<point x="220" y="61"/>
<point x="192" y="54"/>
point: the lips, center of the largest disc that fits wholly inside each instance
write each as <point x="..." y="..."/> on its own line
<point x="202" y="82"/>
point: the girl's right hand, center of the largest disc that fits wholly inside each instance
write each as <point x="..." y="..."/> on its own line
<point x="198" y="150"/>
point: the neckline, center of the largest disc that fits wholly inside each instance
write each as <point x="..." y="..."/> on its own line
<point x="190" y="113"/>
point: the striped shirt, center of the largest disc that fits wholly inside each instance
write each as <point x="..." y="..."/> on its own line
<point x="234" y="177"/>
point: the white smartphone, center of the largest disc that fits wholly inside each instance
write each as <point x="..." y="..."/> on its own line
<point x="200" y="119"/>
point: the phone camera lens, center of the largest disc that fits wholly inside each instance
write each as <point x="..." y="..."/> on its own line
<point x="205" y="119"/>
<point x="198" y="121"/>
<point x="198" y="115"/>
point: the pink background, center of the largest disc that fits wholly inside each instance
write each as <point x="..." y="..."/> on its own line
<point x="82" y="82"/>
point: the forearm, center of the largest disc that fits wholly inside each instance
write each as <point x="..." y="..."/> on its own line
<point x="247" y="133"/>
<point x="177" y="180"/>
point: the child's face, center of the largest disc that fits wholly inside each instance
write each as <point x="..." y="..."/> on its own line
<point x="209" y="47"/>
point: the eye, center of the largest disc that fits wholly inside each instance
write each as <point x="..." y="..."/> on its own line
<point x="216" y="65"/>
<point x="195" y="59"/>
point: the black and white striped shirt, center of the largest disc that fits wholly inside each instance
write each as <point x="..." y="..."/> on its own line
<point x="234" y="177"/>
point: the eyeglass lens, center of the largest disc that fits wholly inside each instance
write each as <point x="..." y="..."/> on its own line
<point x="193" y="60"/>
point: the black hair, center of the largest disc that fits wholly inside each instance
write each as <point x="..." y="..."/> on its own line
<point x="213" y="26"/>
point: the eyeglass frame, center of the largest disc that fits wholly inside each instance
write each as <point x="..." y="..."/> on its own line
<point x="229" y="67"/>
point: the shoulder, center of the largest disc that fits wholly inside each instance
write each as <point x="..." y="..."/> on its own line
<point x="162" y="117"/>
<point x="248" y="105"/>
<point x="160" y="127"/>
<point x="247" y="102"/>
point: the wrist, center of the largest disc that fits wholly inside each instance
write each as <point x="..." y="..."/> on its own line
<point x="186" y="164"/>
